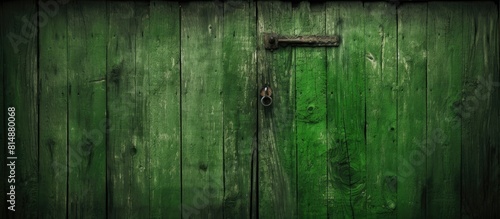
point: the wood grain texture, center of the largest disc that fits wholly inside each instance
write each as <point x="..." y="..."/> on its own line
<point x="163" y="109"/>
<point x="53" y="106"/>
<point x="139" y="172"/>
<point x="310" y="86"/>
<point x="127" y="191"/>
<point x="479" y="112"/>
<point x="87" y="35"/>
<point x="148" y="109"/>
<point x="412" y="70"/>
<point x="346" y="111"/>
<point x="494" y="160"/>
<point x="239" y="105"/>
<point x="202" y="110"/>
<point x="381" y="109"/>
<point x="277" y="129"/>
<point x="444" y="85"/>
<point x="19" y="48"/>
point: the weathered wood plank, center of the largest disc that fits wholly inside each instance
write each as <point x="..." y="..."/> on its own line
<point x="479" y="112"/>
<point x="381" y="109"/>
<point x="240" y="118"/>
<point x="444" y="85"/>
<point x="126" y="153"/>
<point x="120" y="106"/>
<point x="494" y="159"/>
<point x="202" y="110"/>
<point x="87" y="35"/>
<point x="53" y="106"/>
<point x="163" y="110"/>
<point x="346" y="111"/>
<point x="339" y="203"/>
<point x="19" y="48"/>
<point x="140" y="177"/>
<point x="411" y="129"/>
<point x="276" y="138"/>
<point x="310" y="79"/>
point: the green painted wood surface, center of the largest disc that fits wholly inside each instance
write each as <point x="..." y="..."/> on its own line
<point x="163" y="109"/>
<point x="202" y="110"/>
<point x="139" y="186"/>
<point x="479" y="112"/>
<point x="86" y="54"/>
<point x="126" y="154"/>
<point x="277" y="153"/>
<point x="53" y="111"/>
<point x="444" y="62"/>
<point x="154" y="110"/>
<point x="411" y="128"/>
<point x="346" y="111"/>
<point x="20" y="59"/>
<point x="381" y="109"/>
<point x="239" y="106"/>
<point x="310" y="86"/>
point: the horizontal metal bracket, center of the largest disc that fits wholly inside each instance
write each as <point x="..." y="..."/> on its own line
<point x="274" y="41"/>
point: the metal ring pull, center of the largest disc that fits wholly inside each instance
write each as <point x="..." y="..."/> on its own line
<point x="265" y="93"/>
<point x="266" y="100"/>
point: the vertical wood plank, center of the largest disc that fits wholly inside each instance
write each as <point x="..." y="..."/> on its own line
<point x="202" y="110"/>
<point x="339" y="203"/>
<point x="120" y="96"/>
<point x="127" y="188"/>
<point x="19" y="48"/>
<point x="479" y="112"/>
<point x="411" y="129"/>
<point x="140" y="177"/>
<point x="87" y="35"/>
<point x="495" y="31"/>
<point x="346" y="111"/>
<point x="277" y="174"/>
<point x="163" y="109"/>
<point x="310" y="77"/>
<point x="494" y="158"/>
<point x="53" y="151"/>
<point x="239" y="103"/>
<point x="381" y="109"/>
<point x="444" y="85"/>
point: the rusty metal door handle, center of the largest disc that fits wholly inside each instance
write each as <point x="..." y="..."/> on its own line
<point x="273" y="41"/>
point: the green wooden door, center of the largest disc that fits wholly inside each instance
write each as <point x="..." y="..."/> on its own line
<point x="312" y="154"/>
<point x="150" y="109"/>
<point x="383" y="125"/>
